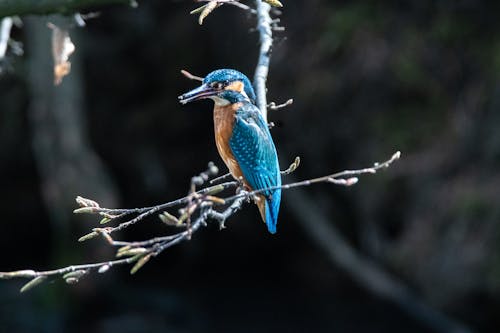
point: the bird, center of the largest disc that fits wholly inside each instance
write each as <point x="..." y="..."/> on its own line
<point x="243" y="138"/>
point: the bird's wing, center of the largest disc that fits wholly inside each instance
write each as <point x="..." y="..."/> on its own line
<point x="253" y="148"/>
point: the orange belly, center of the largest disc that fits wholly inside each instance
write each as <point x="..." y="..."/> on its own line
<point x="223" y="126"/>
<point x="224" y="117"/>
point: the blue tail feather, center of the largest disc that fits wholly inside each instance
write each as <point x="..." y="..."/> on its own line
<point x="272" y="210"/>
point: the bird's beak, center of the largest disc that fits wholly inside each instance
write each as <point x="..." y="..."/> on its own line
<point x="203" y="91"/>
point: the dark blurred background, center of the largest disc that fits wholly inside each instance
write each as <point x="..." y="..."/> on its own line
<point x="368" y="78"/>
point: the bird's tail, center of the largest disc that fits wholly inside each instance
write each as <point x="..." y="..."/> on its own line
<point x="269" y="209"/>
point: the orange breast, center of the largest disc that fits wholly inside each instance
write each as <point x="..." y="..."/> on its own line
<point x="224" y="117"/>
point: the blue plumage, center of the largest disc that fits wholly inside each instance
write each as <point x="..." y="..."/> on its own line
<point x="253" y="148"/>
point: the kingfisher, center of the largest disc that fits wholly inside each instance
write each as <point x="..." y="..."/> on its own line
<point x="242" y="137"/>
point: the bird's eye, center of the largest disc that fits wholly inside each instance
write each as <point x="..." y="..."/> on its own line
<point x="217" y="85"/>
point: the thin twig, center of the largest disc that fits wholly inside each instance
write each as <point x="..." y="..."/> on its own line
<point x="334" y="178"/>
<point x="196" y="199"/>
<point x="224" y="176"/>
<point x="236" y="3"/>
<point x="64" y="270"/>
<point x="120" y="212"/>
<point x="291" y="168"/>
<point x="211" y="5"/>
<point x="242" y="6"/>
<point x="191" y="76"/>
<point x="199" y="203"/>
<point x="273" y="106"/>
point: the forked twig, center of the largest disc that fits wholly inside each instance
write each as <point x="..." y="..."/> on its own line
<point x="199" y="207"/>
<point x="191" y="76"/>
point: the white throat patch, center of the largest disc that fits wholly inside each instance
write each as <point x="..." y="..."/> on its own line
<point x="219" y="101"/>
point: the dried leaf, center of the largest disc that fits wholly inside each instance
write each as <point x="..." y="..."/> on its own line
<point x="208" y="8"/>
<point x="62" y="48"/>
<point x="274" y="3"/>
<point x="141" y="262"/>
<point x="33" y="283"/>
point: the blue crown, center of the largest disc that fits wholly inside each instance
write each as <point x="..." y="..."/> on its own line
<point x="231" y="75"/>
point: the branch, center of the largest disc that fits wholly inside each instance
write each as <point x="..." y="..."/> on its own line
<point x="273" y="106"/>
<point x="115" y="214"/>
<point x="295" y="164"/>
<point x="5" y="27"/>
<point x="43" y="7"/>
<point x="198" y="208"/>
<point x="264" y="24"/>
<point x="337" y="178"/>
